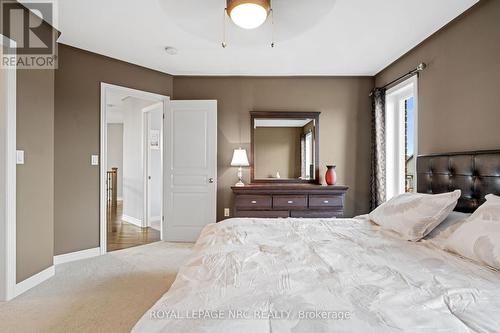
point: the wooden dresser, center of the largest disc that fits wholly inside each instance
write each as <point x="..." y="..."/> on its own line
<point x="286" y="200"/>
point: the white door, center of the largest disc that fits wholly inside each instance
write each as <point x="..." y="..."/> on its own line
<point x="190" y="169"/>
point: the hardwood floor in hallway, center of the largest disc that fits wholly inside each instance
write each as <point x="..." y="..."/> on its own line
<point x="122" y="235"/>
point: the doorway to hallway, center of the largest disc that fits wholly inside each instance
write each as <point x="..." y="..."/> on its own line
<point x="132" y="165"/>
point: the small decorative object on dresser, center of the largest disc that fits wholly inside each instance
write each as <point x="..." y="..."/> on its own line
<point x="289" y="200"/>
<point x="331" y="175"/>
<point x="240" y="159"/>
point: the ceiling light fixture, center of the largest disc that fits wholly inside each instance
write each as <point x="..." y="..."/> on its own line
<point x="248" y="14"/>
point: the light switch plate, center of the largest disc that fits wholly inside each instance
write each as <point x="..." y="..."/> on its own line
<point x="94" y="160"/>
<point x="227" y="212"/>
<point x="19" y="156"/>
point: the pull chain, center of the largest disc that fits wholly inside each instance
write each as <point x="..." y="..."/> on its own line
<point x="272" y="28"/>
<point x="224" y="44"/>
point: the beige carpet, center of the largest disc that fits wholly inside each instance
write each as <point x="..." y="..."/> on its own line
<point x="104" y="294"/>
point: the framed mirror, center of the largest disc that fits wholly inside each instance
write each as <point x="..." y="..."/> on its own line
<point x="284" y="147"/>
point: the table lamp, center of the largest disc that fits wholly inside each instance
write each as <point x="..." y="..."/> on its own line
<point x="240" y="160"/>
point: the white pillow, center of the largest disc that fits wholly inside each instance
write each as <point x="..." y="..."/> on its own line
<point x="492" y="197"/>
<point x="479" y="237"/>
<point x="414" y="215"/>
<point x="442" y="232"/>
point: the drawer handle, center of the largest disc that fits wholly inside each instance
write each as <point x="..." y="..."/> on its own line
<point x="290" y="202"/>
<point x="254" y="202"/>
<point x="326" y="201"/>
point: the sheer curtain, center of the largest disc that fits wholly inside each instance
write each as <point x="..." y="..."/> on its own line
<point x="378" y="181"/>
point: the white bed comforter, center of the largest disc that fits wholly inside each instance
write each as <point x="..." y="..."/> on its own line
<point x="330" y="275"/>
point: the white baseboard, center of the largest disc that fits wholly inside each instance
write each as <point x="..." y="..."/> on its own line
<point x="132" y="220"/>
<point x="119" y="199"/>
<point x="79" y="255"/>
<point x="34" y="281"/>
<point x="155" y="218"/>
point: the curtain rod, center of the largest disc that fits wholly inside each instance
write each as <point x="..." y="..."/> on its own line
<point x="419" y="68"/>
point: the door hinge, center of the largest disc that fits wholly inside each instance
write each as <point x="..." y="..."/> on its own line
<point x="163" y="218"/>
<point x="163" y="116"/>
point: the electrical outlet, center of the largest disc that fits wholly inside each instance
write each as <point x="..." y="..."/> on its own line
<point x="227" y="212"/>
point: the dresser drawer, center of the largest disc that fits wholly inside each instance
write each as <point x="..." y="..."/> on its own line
<point x="314" y="214"/>
<point x="325" y="201"/>
<point x="263" y="213"/>
<point x="290" y="201"/>
<point x="253" y="201"/>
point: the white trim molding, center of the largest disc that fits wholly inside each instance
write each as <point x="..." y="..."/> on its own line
<point x="34" y="280"/>
<point x="8" y="184"/>
<point x="78" y="255"/>
<point x="133" y="220"/>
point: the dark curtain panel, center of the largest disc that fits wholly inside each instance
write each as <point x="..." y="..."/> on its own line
<point x="378" y="149"/>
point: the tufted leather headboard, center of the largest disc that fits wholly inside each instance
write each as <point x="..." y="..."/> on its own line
<point x="475" y="173"/>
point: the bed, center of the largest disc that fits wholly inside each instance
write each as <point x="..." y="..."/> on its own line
<point x="337" y="275"/>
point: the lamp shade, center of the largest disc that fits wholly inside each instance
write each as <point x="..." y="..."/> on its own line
<point x="240" y="158"/>
<point x="248" y="14"/>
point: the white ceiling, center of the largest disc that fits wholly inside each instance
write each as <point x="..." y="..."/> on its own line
<point x="313" y="37"/>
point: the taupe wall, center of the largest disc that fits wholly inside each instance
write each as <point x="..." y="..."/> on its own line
<point x="459" y="93"/>
<point x="35" y="179"/>
<point x="77" y="116"/>
<point x="277" y="149"/>
<point x="344" y="123"/>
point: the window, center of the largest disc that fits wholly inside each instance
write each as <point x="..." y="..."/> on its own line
<point x="401" y="138"/>
<point x="410" y="164"/>
<point x="307" y="156"/>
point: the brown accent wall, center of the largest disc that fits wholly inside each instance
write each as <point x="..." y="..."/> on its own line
<point x="344" y="123"/>
<point x="77" y="118"/>
<point x="459" y="99"/>
<point x="35" y="179"/>
<point x="277" y="149"/>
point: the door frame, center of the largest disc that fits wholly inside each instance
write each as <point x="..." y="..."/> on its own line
<point x="105" y="88"/>
<point x="8" y="280"/>
<point x="146" y="155"/>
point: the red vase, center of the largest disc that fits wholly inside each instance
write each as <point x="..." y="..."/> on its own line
<point x="331" y="175"/>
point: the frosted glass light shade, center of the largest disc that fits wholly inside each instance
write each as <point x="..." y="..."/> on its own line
<point x="240" y="158"/>
<point x="248" y="14"/>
